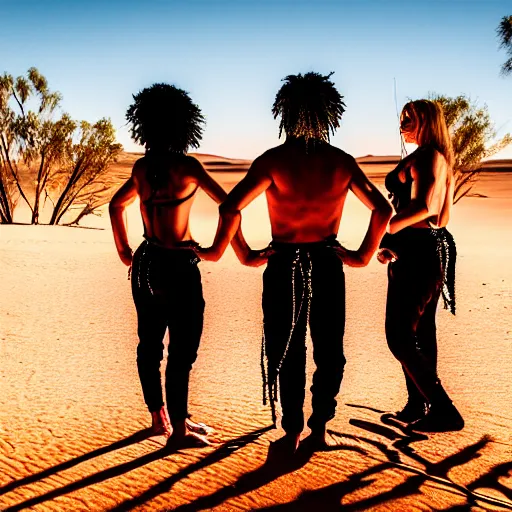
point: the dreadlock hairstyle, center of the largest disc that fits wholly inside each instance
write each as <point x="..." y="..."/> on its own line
<point x="309" y="106"/>
<point x="164" y="118"/>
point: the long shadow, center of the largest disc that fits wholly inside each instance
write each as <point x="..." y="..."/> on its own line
<point x="437" y="471"/>
<point x="330" y="496"/>
<point x="224" y="451"/>
<point x="368" y="408"/>
<point x="271" y="470"/>
<point x="402" y="443"/>
<point x="219" y="454"/>
<point x="122" y="443"/>
<point x="490" y="479"/>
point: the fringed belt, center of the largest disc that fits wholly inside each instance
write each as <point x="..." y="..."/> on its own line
<point x="150" y="250"/>
<point x="408" y="241"/>
<point x="301" y="265"/>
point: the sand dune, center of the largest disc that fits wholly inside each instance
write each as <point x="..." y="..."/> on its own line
<point x="72" y="414"/>
<point x="210" y="162"/>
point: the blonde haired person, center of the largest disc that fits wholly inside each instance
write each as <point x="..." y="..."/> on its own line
<point x="421" y="255"/>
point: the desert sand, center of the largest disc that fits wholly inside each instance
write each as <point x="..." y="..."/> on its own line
<point x="72" y="417"/>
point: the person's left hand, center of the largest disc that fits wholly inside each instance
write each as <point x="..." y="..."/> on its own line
<point x="386" y="256"/>
<point x="206" y="253"/>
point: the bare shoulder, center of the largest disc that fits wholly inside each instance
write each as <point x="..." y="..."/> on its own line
<point x="192" y="164"/>
<point x="273" y="154"/>
<point x="191" y="160"/>
<point x="267" y="161"/>
<point x="139" y="167"/>
<point x="345" y="162"/>
<point x="139" y="163"/>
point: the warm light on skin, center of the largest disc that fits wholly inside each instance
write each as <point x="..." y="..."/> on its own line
<point x="409" y="134"/>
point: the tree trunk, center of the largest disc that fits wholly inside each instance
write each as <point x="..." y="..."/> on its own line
<point x="56" y="211"/>
<point x="35" y="211"/>
<point x="5" y="205"/>
<point x="14" y="174"/>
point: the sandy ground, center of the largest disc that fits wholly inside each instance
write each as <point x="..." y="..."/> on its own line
<point x="71" y="408"/>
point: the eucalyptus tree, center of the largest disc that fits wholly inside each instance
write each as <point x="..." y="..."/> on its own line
<point x="504" y="31"/>
<point x="473" y="139"/>
<point x="45" y="155"/>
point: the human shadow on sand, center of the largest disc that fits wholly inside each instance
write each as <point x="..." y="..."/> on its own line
<point x="331" y="496"/>
<point x="225" y="450"/>
<point x="271" y="470"/>
<point x="122" y="443"/>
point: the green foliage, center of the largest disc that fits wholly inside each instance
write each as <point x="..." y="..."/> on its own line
<point x="165" y="117"/>
<point x="473" y="139"/>
<point x="309" y="106"/>
<point x="84" y="183"/>
<point x="504" y="31"/>
<point x="46" y="155"/>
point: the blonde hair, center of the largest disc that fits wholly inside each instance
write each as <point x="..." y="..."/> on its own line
<point x="428" y="117"/>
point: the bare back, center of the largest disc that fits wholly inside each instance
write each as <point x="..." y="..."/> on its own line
<point x="308" y="191"/>
<point x="165" y="202"/>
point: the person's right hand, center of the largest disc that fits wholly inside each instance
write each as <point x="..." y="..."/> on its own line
<point x="386" y="255"/>
<point x="126" y="256"/>
<point x="257" y="258"/>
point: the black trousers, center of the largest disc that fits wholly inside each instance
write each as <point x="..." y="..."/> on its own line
<point x="304" y="283"/>
<point x="167" y="291"/>
<point x="415" y="283"/>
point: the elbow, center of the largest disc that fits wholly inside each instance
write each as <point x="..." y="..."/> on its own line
<point x="384" y="211"/>
<point x="114" y="207"/>
<point x="387" y="211"/>
<point x="392" y="228"/>
<point x="421" y="210"/>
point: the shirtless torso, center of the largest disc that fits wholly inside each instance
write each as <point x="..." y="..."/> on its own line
<point x="166" y="187"/>
<point x="306" y="193"/>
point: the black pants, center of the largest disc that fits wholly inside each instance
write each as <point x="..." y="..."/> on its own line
<point x="167" y="291"/>
<point x="415" y="283"/>
<point x="304" y="282"/>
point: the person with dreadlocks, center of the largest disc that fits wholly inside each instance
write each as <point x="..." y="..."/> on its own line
<point x="421" y="255"/>
<point x="165" y="279"/>
<point x="306" y="181"/>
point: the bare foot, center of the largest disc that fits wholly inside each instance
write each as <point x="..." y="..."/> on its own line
<point x="286" y="446"/>
<point x="188" y="440"/>
<point x="198" y="428"/>
<point x="315" y="442"/>
<point x="160" y="425"/>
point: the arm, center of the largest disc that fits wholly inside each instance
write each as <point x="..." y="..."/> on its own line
<point x="122" y="198"/>
<point x="251" y="186"/>
<point x="218" y="194"/>
<point x="370" y="196"/>
<point x="422" y="193"/>
<point x="206" y="182"/>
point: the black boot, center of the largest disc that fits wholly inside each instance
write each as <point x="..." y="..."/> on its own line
<point x="442" y="416"/>
<point x="416" y="406"/>
<point x="413" y="410"/>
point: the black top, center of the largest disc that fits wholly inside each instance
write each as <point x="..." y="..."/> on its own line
<point x="400" y="192"/>
<point x="166" y="201"/>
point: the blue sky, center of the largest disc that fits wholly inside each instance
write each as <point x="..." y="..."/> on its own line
<point x="231" y="56"/>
